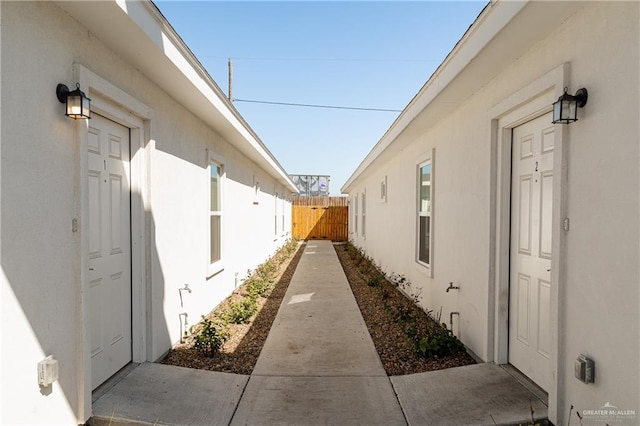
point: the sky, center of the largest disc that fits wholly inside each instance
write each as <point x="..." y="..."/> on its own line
<point x="361" y="54"/>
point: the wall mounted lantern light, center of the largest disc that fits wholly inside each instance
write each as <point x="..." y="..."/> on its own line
<point x="565" y="109"/>
<point x="78" y="104"/>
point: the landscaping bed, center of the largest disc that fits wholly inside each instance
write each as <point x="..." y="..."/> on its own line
<point x="407" y="339"/>
<point x="240" y="327"/>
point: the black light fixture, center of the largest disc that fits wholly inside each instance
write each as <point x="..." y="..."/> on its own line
<point x="565" y="109"/>
<point x="78" y="105"/>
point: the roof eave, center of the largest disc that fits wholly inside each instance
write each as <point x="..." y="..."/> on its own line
<point x="499" y="35"/>
<point x="459" y="57"/>
<point x="147" y="40"/>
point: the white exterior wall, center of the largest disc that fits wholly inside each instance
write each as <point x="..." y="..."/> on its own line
<point x="598" y="300"/>
<point x="179" y="213"/>
<point x="41" y="184"/>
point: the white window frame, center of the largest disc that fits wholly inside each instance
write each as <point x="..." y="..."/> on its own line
<point x="275" y="216"/>
<point x="282" y="207"/>
<point x="355" y="215"/>
<point x="363" y="227"/>
<point x="428" y="264"/>
<point x="218" y="265"/>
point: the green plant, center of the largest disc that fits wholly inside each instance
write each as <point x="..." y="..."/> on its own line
<point x="411" y="332"/>
<point x="374" y="281"/>
<point x="267" y="271"/>
<point x="441" y="343"/>
<point x="286" y="251"/>
<point x="208" y="337"/>
<point x="404" y="314"/>
<point x="257" y="287"/>
<point x="241" y="311"/>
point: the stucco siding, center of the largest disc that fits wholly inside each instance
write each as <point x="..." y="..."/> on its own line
<point x="598" y="296"/>
<point x="41" y="187"/>
<point x="38" y="247"/>
<point x="460" y="217"/>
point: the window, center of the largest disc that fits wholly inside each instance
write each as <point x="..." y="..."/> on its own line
<point x="215" y="217"/>
<point x="424" y="213"/>
<point x="275" y="214"/>
<point x="364" y="212"/>
<point x="355" y="215"/>
<point x="282" y="204"/>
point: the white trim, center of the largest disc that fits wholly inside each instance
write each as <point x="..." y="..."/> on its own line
<point x="531" y="101"/>
<point x="428" y="159"/>
<point x="493" y="19"/>
<point x="283" y="232"/>
<point x="363" y="215"/>
<point x="217" y="266"/>
<point x="115" y="104"/>
<point x="152" y="46"/>
<point x="275" y="214"/>
<point x="355" y="216"/>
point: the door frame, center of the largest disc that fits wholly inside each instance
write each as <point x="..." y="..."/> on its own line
<point x="531" y="101"/>
<point x="118" y="106"/>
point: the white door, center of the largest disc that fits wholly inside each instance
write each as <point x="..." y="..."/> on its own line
<point x="109" y="248"/>
<point x="530" y="262"/>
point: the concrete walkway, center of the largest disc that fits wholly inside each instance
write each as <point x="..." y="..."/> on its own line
<point x="318" y="366"/>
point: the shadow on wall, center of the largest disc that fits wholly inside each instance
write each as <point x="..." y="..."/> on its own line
<point x="249" y="348"/>
<point x="51" y="306"/>
<point x="44" y="286"/>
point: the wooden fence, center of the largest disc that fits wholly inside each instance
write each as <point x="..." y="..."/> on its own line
<point x="320" y="218"/>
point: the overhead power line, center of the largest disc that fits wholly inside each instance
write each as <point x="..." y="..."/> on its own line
<point x="293" y="59"/>
<point x="317" y="106"/>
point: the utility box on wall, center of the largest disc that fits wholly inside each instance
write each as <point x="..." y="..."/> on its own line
<point x="585" y="369"/>
<point x="47" y="371"/>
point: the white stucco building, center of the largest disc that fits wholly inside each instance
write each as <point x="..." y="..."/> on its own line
<point x="102" y="221"/>
<point x="536" y="223"/>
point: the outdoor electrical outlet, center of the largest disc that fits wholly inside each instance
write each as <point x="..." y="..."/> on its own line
<point x="47" y="371"/>
<point x="585" y="369"/>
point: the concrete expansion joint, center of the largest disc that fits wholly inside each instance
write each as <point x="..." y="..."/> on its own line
<point x="322" y="376"/>
<point x="331" y="378"/>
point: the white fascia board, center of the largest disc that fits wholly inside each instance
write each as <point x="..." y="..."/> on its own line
<point x="495" y="16"/>
<point x="139" y="32"/>
<point x="180" y="54"/>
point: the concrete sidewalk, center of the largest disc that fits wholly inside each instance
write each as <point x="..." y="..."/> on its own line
<point x="318" y="366"/>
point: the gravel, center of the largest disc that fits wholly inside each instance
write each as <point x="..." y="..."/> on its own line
<point x="240" y="353"/>
<point x="384" y="308"/>
<point x="387" y="312"/>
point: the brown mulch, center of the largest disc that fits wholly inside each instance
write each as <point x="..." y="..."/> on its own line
<point x="240" y="353"/>
<point x="384" y="309"/>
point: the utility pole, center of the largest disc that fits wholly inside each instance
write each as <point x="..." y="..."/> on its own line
<point x="230" y="80"/>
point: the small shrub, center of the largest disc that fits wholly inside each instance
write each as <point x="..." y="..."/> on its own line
<point x="404" y="314"/>
<point x="267" y="271"/>
<point x="240" y="312"/>
<point x="411" y="332"/>
<point x="384" y="294"/>
<point x="373" y="281"/>
<point x="400" y="281"/>
<point x="439" y="344"/>
<point x="257" y="287"/>
<point x="208" y="337"/>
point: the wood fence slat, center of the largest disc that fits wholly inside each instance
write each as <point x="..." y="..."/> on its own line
<point x="320" y="218"/>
